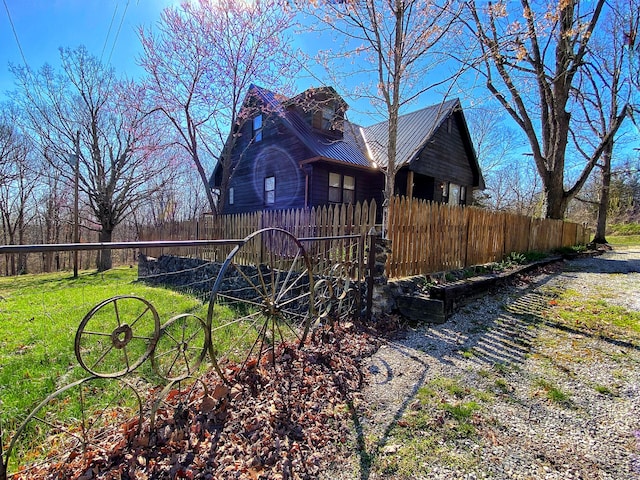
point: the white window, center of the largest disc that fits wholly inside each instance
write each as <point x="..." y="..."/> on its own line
<point x="454" y="194"/>
<point x="335" y="187"/>
<point x="231" y="196"/>
<point x="348" y="189"/>
<point x="257" y="128"/>
<point x="342" y="188"/>
<point x="269" y="190"/>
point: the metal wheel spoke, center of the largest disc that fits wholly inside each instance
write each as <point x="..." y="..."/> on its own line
<point x="139" y="317"/>
<point x="117" y="312"/>
<point x="237" y="320"/>
<point x="295" y="299"/>
<point x="288" y="289"/>
<point x="103" y="356"/>
<point x="126" y="357"/>
<point x="261" y="336"/>
<point x="248" y="280"/>
<point x="241" y="300"/>
<point x="293" y="329"/>
<point x="285" y="289"/>
<point x="100" y="334"/>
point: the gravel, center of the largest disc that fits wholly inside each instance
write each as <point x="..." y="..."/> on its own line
<point x="593" y="434"/>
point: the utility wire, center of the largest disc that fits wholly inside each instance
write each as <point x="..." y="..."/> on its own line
<point x="15" y="33"/>
<point x="118" y="32"/>
<point x="115" y="10"/>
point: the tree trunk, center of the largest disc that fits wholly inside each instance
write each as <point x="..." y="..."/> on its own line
<point x="104" y="261"/>
<point x="603" y="206"/>
<point x="555" y="198"/>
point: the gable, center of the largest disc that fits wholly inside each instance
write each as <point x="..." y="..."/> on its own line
<point x="445" y="156"/>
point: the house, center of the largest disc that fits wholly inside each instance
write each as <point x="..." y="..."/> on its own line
<point x="302" y="152"/>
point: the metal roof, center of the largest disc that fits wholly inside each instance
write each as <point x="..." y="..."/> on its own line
<point x="414" y="130"/>
<point x="364" y="146"/>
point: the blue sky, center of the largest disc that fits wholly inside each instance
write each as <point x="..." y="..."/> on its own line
<point x="106" y="27"/>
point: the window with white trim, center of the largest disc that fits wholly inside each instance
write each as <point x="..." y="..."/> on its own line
<point x="454" y="194"/>
<point x="231" y="196"/>
<point x="269" y="190"/>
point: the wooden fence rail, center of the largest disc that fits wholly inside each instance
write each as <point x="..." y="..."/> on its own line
<point x="425" y="237"/>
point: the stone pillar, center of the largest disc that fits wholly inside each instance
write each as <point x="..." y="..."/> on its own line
<point x="379" y="298"/>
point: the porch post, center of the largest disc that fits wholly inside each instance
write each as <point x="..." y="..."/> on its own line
<point x="410" y="184"/>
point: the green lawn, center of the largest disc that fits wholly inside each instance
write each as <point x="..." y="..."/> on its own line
<point x="624" y="240"/>
<point x="39" y="317"/>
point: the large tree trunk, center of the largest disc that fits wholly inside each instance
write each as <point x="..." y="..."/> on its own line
<point x="556" y="197"/>
<point x="603" y="206"/>
<point x="104" y="261"/>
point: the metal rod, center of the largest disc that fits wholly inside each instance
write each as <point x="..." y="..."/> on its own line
<point x="68" y="247"/>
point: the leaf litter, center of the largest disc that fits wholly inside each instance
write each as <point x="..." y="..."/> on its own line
<point x="283" y="419"/>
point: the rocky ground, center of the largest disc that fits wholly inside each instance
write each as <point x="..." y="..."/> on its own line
<point x="548" y="399"/>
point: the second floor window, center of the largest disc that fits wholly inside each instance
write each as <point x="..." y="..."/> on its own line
<point x="257" y="128"/>
<point x="269" y="190"/>
<point x="342" y="188"/>
<point x="328" y="116"/>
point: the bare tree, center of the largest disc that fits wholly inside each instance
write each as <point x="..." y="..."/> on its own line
<point x="84" y="108"/>
<point x="17" y="184"/>
<point x="530" y="55"/>
<point x="200" y="61"/>
<point x="394" y="42"/>
<point x="497" y="148"/>
<point x="603" y="93"/>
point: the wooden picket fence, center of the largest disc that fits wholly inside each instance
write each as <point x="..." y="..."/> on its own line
<point x="322" y="223"/>
<point x="432" y="237"/>
<point x="425" y="237"/>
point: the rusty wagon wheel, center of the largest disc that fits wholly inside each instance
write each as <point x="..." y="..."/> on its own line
<point x="84" y="415"/>
<point x="344" y="290"/>
<point x="181" y="347"/>
<point x="262" y="297"/>
<point x="117" y="336"/>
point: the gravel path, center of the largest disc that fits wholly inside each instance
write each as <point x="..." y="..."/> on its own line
<point x="502" y="341"/>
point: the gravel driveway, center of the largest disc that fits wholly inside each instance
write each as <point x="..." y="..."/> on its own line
<point x="503" y="346"/>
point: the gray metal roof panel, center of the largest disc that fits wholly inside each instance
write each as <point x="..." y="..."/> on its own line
<point x="414" y="130"/>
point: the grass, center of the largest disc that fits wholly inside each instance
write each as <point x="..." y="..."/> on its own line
<point x="553" y="392"/>
<point x="595" y="316"/>
<point x="623" y="240"/>
<point x="624" y="229"/>
<point x="445" y="413"/>
<point x="39" y="316"/>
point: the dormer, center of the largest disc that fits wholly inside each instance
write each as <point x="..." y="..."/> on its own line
<point x="322" y="109"/>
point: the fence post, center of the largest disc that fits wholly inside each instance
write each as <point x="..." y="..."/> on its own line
<point x="372" y="238"/>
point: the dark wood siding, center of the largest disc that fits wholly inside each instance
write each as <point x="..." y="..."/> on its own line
<point x="446" y="157"/>
<point x="369" y="185"/>
<point x="278" y="155"/>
